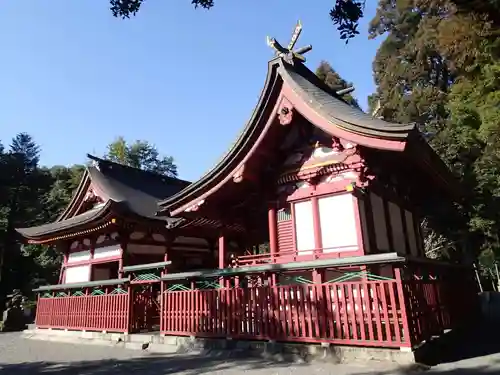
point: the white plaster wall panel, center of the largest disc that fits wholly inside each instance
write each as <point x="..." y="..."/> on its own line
<point x="107" y="251"/>
<point x="412" y="236"/>
<point x="145" y="249"/>
<point x="77" y="274"/>
<point x="304" y="228"/>
<point x="398" y="235"/>
<point x="379" y="222"/>
<point x="101" y="274"/>
<point x="338" y="223"/>
<point x="79" y="256"/>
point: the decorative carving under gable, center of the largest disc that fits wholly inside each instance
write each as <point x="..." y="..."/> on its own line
<point x="320" y="156"/>
<point x="92" y="199"/>
<point x="285" y="112"/>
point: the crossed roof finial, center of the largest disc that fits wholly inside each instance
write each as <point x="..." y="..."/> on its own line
<point x="289" y="54"/>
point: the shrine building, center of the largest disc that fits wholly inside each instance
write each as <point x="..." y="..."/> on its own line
<point x="307" y="230"/>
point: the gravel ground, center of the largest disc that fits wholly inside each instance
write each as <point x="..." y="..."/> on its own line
<point x="22" y="357"/>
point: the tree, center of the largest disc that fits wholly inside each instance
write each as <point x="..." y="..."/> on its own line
<point x="142" y="155"/>
<point x="328" y="75"/>
<point x="345" y="14"/>
<point x="438" y="67"/>
<point x="22" y="186"/>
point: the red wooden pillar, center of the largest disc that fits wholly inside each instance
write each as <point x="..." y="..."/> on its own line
<point x="222" y="256"/>
<point x="63" y="266"/>
<point x="317" y="228"/>
<point x="273" y="230"/>
<point x="163" y="296"/>
<point x="92" y="250"/>
<point x="273" y="237"/>
<point x="123" y="249"/>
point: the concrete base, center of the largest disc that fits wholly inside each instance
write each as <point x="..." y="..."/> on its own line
<point x="157" y="343"/>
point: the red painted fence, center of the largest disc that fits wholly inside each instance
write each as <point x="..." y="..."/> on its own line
<point x="108" y="312"/>
<point x="388" y="313"/>
<point x="354" y="313"/>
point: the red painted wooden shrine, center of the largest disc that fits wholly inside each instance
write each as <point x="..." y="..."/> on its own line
<point x="307" y="230"/>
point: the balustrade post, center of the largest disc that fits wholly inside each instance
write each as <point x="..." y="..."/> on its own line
<point x="408" y="338"/>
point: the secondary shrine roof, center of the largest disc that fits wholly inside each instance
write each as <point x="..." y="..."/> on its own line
<point x="114" y="189"/>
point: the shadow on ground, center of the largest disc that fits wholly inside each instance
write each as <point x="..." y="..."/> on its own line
<point x="146" y="365"/>
<point x="472" y="341"/>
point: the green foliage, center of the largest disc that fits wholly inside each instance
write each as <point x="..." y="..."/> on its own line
<point x="334" y="81"/>
<point x="438" y="67"/>
<point x="33" y="195"/>
<point x="23" y="202"/>
<point x="346" y="14"/>
<point x="142" y="155"/>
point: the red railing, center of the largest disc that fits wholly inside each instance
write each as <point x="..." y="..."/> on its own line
<point x="294" y="255"/>
<point x="353" y="313"/>
<point x="437" y="305"/>
<point x="108" y="312"/>
<point x="145" y="310"/>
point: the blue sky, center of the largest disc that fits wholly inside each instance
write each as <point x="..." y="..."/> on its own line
<point x="186" y="80"/>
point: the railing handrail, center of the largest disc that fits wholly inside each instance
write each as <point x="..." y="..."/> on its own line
<point x="88" y="284"/>
<point x="147" y="266"/>
<point x="297" y="252"/>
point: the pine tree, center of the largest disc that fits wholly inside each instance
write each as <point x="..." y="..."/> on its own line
<point x="328" y="75"/>
<point x="142" y="155"/>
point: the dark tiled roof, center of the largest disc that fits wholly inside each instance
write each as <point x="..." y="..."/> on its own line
<point x="85" y="218"/>
<point x="339" y="112"/>
<point x="128" y="189"/>
<point x="313" y="91"/>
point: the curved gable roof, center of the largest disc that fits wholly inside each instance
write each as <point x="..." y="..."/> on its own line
<point x="125" y="190"/>
<point x="339" y="117"/>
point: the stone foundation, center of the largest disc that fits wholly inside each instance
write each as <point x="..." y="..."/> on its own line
<point x="157" y="343"/>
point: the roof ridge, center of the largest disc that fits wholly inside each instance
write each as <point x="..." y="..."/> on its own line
<point x="124" y="166"/>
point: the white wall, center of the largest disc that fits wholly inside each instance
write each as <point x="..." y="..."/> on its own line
<point x="337" y="219"/>
<point x="304" y="228"/>
<point x="77" y="274"/>
<point x="78" y="256"/>
<point x="107" y="251"/>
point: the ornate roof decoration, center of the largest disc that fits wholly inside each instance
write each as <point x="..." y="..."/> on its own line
<point x="288" y="54"/>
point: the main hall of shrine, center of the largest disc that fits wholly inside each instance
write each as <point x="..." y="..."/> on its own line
<point x="307" y="230"/>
